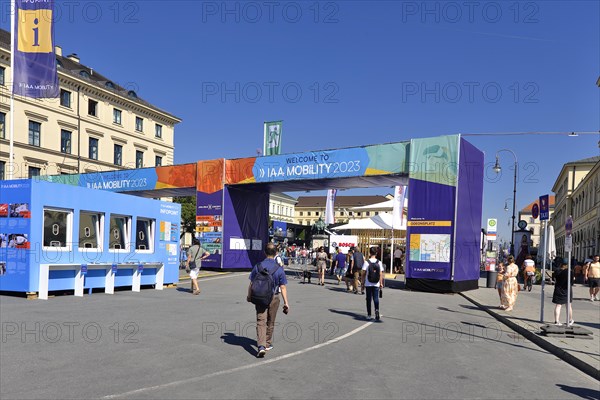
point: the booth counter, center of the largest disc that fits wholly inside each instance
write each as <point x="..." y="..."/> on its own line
<point x="63" y="237"/>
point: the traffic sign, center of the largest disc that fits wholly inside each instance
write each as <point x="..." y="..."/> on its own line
<point x="569" y="225"/>
<point x="492" y="228"/>
<point x="544" y="208"/>
<point x="535" y="211"/>
<point x="569" y="243"/>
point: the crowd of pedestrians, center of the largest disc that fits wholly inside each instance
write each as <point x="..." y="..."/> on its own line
<point x="587" y="273"/>
<point x="268" y="281"/>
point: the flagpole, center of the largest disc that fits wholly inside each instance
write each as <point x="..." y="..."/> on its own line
<point x="264" y="138"/>
<point x="11" y="128"/>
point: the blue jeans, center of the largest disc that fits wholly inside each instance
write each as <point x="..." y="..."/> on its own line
<point x="372" y="293"/>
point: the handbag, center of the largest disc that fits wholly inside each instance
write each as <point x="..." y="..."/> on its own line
<point x="380" y="293"/>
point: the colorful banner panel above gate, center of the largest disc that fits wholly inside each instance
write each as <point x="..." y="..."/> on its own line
<point x="384" y="159"/>
<point x="130" y="180"/>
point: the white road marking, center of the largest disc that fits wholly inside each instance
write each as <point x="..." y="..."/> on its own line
<point x="241" y="368"/>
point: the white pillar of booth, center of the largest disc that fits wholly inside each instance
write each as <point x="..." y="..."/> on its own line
<point x="109" y="283"/>
<point x="136" y="280"/>
<point x="43" y="281"/>
<point x="79" y="281"/>
<point x="160" y="277"/>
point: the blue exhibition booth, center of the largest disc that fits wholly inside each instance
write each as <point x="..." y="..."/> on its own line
<point x="64" y="237"/>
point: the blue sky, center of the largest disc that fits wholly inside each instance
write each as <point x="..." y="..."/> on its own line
<point x="350" y="73"/>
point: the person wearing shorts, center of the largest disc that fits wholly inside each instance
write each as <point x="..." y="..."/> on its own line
<point x="592" y="276"/>
<point x="321" y="265"/>
<point x="194" y="261"/>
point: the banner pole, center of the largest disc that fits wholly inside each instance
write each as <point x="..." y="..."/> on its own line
<point x="569" y="289"/>
<point x="11" y="134"/>
<point x="544" y="270"/>
<point x="264" y="139"/>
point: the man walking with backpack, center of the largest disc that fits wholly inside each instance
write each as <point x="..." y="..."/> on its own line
<point x="372" y="280"/>
<point x="267" y="280"/>
<point x="358" y="260"/>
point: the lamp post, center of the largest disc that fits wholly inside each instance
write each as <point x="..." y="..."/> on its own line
<point x="497" y="169"/>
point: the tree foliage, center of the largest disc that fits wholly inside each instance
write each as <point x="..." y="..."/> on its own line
<point x="188" y="213"/>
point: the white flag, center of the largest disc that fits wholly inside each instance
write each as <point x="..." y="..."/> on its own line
<point x="330" y="206"/>
<point x="399" y="196"/>
<point x="272" y="139"/>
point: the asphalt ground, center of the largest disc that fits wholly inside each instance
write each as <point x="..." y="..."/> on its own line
<point x="171" y="344"/>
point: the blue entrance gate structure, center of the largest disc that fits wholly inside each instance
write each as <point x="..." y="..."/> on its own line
<point x="444" y="175"/>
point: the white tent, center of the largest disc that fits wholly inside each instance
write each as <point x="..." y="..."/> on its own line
<point x="380" y="221"/>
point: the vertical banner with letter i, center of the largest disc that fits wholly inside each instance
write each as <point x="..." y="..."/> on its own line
<point x="34" y="65"/>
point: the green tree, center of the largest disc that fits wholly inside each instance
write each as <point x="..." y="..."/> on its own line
<point x="188" y="214"/>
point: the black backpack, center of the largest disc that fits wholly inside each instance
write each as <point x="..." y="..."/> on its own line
<point x="373" y="272"/>
<point x="262" y="286"/>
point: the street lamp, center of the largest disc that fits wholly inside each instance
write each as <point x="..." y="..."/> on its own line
<point x="497" y="169"/>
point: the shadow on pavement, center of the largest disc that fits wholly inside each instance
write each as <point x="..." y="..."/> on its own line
<point x="244" y="342"/>
<point x="584" y="393"/>
<point x="394" y="284"/>
<point x="358" y="317"/>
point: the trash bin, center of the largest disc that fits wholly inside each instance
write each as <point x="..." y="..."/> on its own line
<point x="491" y="279"/>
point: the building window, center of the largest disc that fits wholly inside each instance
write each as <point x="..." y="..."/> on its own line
<point x="93" y="108"/>
<point x="139" y="159"/>
<point x="119" y="232"/>
<point x="158" y="131"/>
<point x="308" y="214"/>
<point x="118" y="156"/>
<point x="144" y="234"/>
<point x="2" y="126"/>
<point x="35" y="129"/>
<point x="33" y="172"/>
<point x="317" y="213"/>
<point x="57" y="225"/>
<point x="65" y="98"/>
<point x="157" y="161"/>
<point x="90" y="230"/>
<point x="139" y="124"/>
<point x="65" y="141"/>
<point x="117" y="116"/>
<point x="2" y="169"/>
<point x="93" y="149"/>
<point x="301" y="213"/>
<point x="2" y="72"/>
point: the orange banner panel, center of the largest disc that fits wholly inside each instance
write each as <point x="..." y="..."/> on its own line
<point x="210" y="176"/>
<point x="240" y="171"/>
<point x="176" y="176"/>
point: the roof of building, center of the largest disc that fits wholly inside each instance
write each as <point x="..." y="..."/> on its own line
<point x="340" y="201"/>
<point x="589" y="160"/>
<point x="71" y="67"/>
<point x="530" y="205"/>
<point x="283" y="196"/>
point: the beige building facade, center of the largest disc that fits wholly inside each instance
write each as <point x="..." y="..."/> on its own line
<point x="95" y="125"/>
<point x="577" y="190"/>
<point x="282" y="207"/>
<point x="309" y="209"/>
